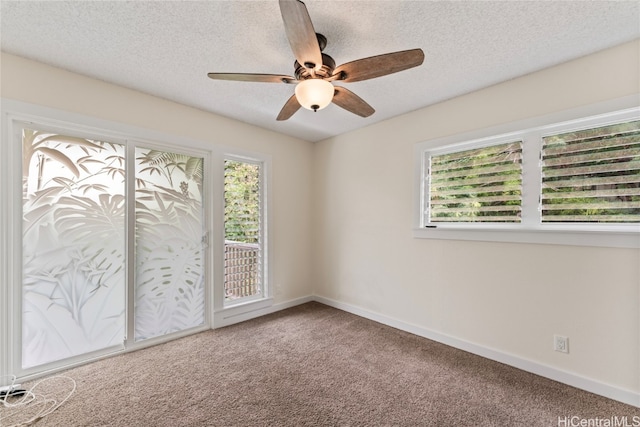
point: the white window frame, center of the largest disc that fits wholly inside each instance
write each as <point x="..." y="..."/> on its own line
<point x="264" y="283"/>
<point x="530" y="230"/>
<point x="244" y="308"/>
<point x="470" y="145"/>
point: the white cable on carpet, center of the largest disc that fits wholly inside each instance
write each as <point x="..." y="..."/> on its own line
<point x="32" y="406"/>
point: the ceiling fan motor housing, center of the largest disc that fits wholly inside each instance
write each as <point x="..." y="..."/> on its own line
<point x="325" y="71"/>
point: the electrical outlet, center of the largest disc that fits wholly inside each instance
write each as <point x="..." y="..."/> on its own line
<point x="561" y="344"/>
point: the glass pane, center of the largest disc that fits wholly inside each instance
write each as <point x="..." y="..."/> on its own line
<point x="169" y="284"/>
<point x="478" y="185"/>
<point x="73" y="292"/>
<point x="242" y="225"/>
<point x="592" y="175"/>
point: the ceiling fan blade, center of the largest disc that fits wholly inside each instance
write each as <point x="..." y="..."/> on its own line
<point x="246" y="77"/>
<point x="300" y="32"/>
<point x="289" y="109"/>
<point x="351" y="102"/>
<point x="380" y="65"/>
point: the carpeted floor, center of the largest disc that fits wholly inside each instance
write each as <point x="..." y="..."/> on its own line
<point x="313" y="365"/>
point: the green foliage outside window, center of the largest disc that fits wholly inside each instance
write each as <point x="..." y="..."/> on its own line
<point x="477" y="185"/>
<point x="242" y="201"/>
<point x="592" y="175"/>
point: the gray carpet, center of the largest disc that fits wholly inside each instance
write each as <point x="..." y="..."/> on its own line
<point x="313" y="365"/>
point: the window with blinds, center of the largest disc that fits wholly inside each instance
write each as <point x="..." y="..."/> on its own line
<point x="592" y="175"/>
<point x="574" y="182"/>
<point x="477" y="185"/>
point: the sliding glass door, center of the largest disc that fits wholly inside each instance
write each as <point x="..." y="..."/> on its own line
<point x="169" y="250"/>
<point x="112" y="241"/>
<point x="73" y="260"/>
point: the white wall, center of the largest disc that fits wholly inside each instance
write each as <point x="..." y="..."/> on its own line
<point x="35" y="83"/>
<point x="495" y="296"/>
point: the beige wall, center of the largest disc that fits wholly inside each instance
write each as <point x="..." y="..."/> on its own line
<point x="351" y="240"/>
<point x="35" y="83"/>
<point x="503" y="296"/>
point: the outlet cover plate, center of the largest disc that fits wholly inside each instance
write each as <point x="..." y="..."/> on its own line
<point x="561" y="343"/>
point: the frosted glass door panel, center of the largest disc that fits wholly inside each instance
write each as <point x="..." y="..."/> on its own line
<point x="169" y="282"/>
<point x="73" y="291"/>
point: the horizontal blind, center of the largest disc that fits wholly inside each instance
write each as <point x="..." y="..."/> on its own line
<point x="477" y="185"/>
<point x="592" y="175"/>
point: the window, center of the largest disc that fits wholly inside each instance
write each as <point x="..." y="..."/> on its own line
<point x="572" y="182"/>
<point x="592" y="175"/>
<point x="243" y="230"/>
<point x="478" y="185"/>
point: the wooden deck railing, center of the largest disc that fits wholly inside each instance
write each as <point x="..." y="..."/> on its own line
<point x="241" y="269"/>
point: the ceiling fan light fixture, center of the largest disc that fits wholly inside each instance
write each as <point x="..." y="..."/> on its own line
<point x="314" y="94"/>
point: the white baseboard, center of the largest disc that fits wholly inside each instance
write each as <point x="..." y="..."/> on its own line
<point x="625" y="396"/>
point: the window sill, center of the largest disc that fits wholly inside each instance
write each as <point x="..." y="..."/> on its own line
<point x="241" y="311"/>
<point x="608" y="239"/>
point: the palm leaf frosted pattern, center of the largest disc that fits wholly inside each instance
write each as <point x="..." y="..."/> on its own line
<point x="169" y="250"/>
<point x="74" y="222"/>
<point x="73" y="246"/>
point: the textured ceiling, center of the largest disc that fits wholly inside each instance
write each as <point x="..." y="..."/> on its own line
<point x="166" y="48"/>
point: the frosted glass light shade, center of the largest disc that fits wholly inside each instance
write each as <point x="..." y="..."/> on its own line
<point x="314" y="94"/>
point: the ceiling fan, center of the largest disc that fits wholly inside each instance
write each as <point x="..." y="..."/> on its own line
<point x="315" y="71"/>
